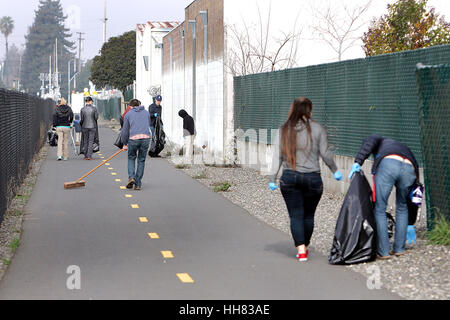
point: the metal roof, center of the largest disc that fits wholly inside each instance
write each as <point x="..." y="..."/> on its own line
<point x="168" y="25"/>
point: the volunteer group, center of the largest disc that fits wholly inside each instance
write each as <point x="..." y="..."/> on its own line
<point x="302" y="143"/>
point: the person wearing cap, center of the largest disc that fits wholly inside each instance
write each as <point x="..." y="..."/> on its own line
<point x="155" y="111"/>
<point x="89" y="117"/>
<point x="394" y="165"/>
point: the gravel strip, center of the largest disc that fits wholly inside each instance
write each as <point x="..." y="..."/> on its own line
<point x="422" y="274"/>
<point x="11" y="227"/>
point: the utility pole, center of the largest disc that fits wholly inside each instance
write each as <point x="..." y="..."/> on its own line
<point x="105" y="19"/>
<point x="79" y="50"/>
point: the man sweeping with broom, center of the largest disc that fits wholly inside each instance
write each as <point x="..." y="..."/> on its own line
<point x="136" y="139"/>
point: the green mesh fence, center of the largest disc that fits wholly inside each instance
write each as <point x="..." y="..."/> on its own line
<point x="109" y="109"/>
<point x="352" y="99"/>
<point x="128" y="95"/>
<point x="434" y="116"/>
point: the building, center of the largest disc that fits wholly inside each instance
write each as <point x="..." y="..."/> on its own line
<point x="201" y="57"/>
<point x="149" y="58"/>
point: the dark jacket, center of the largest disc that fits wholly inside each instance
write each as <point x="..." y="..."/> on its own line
<point x="381" y="147"/>
<point x="63" y="116"/>
<point x="188" y="124"/>
<point x="76" y="123"/>
<point x="89" y="117"/>
<point x="154" y="108"/>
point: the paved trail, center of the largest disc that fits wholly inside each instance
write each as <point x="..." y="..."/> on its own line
<point x="227" y="253"/>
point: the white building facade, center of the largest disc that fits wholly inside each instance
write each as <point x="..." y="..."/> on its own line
<point x="149" y="52"/>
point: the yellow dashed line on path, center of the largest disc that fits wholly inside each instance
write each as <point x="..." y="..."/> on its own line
<point x="114" y="174"/>
<point x="123" y="188"/>
<point x="153" y="236"/>
<point x="118" y="180"/>
<point x="110" y="168"/>
<point x="167" y="254"/>
<point x="143" y="219"/>
<point x="128" y="196"/>
<point x="107" y="164"/>
<point x="185" y="278"/>
<point x="135" y="206"/>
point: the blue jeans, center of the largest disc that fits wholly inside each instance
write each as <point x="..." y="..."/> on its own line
<point x="392" y="172"/>
<point x="302" y="193"/>
<point x="137" y="149"/>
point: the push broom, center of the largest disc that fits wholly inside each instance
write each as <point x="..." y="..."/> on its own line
<point x="80" y="182"/>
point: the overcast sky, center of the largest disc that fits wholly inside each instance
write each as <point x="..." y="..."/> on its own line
<point x="86" y="16"/>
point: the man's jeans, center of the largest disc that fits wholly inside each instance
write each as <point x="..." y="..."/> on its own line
<point x="302" y="193"/>
<point x="89" y="137"/>
<point x="392" y="172"/>
<point x="137" y="149"/>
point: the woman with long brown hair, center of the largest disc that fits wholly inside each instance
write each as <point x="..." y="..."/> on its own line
<point x="302" y="142"/>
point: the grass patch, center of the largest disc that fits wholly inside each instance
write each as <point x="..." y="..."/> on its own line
<point x="6" y="262"/>
<point x="15" y="243"/>
<point x="15" y="213"/>
<point x="440" y="235"/>
<point x="181" y="166"/>
<point x="22" y="197"/>
<point x="222" y="187"/>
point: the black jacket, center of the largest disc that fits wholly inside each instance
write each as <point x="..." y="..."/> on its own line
<point x="381" y="147"/>
<point x="154" y="108"/>
<point x="188" y="124"/>
<point x="63" y="116"/>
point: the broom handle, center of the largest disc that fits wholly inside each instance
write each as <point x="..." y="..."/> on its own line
<point x="89" y="173"/>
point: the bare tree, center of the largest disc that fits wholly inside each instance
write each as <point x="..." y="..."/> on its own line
<point x="339" y="28"/>
<point x="254" y="49"/>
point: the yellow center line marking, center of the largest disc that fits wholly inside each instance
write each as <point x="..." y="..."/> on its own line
<point x="110" y="168"/>
<point x="128" y="196"/>
<point x="123" y="188"/>
<point x="167" y="254"/>
<point x="143" y="219"/>
<point x="135" y="206"/>
<point x="118" y="180"/>
<point x="153" y="236"/>
<point x="114" y="174"/>
<point x="185" y="278"/>
<point x="107" y="164"/>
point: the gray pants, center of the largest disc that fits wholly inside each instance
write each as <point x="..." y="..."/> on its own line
<point x="89" y="145"/>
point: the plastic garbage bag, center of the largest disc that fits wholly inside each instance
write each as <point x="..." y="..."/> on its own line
<point x="158" y="140"/>
<point x="52" y="137"/>
<point x="355" y="234"/>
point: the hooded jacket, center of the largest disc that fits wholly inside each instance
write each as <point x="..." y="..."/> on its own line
<point x="136" y="121"/>
<point x="188" y="124"/>
<point x="382" y="147"/>
<point x="154" y="108"/>
<point x="307" y="158"/>
<point x="63" y="116"/>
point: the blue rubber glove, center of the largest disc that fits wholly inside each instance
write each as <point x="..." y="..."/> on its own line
<point x="356" y="168"/>
<point x="273" y="186"/>
<point x="156" y="115"/>
<point x="338" y="176"/>
<point x="411" y="235"/>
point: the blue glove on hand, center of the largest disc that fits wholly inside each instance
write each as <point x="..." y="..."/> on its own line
<point x="273" y="186"/>
<point x="356" y="168"/>
<point x="156" y="115"/>
<point x="338" y="176"/>
<point x="411" y="235"/>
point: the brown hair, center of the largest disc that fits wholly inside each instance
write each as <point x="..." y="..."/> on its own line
<point x="301" y="110"/>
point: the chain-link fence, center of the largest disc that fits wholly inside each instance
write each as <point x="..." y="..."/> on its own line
<point x="110" y="108"/>
<point x="24" y="122"/>
<point x="434" y="117"/>
<point x="352" y="99"/>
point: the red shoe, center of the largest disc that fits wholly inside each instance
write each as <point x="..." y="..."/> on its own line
<point x="303" y="257"/>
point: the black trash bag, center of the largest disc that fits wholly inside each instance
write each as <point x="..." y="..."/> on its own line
<point x="158" y="140"/>
<point x="118" y="143"/>
<point x="355" y="235"/>
<point x="52" y="137"/>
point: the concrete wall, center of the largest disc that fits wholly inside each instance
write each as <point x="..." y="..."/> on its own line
<point x="182" y="69"/>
